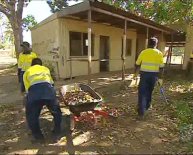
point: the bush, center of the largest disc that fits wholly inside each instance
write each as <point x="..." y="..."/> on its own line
<point x="185" y="120"/>
<point x="50" y="65"/>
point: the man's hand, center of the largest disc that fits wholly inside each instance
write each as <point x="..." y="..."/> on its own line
<point x="160" y="82"/>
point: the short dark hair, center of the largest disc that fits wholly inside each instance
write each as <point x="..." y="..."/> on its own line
<point x="152" y="42"/>
<point x="36" y="61"/>
<point x="26" y="44"/>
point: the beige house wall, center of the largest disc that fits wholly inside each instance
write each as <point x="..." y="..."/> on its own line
<point x="51" y="41"/>
<point x="141" y="43"/>
<point x="45" y="42"/>
<point x="161" y="43"/>
<point x="115" y="34"/>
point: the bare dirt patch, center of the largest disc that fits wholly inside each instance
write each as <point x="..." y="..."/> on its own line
<point x="157" y="134"/>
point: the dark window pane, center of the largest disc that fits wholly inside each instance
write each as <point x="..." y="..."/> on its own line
<point x="85" y="44"/>
<point x="75" y="44"/>
<point x="128" y="47"/>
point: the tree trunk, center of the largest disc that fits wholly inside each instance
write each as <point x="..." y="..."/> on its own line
<point x="189" y="46"/>
<point x="17" y="31"/>
<point x="18" y="39"/>
<point x="13" y="10"/>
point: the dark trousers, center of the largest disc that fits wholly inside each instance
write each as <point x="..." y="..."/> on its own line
<point x="33" y="110"/>
<point x="22" y="87"/>
<point x="145" y="89"/>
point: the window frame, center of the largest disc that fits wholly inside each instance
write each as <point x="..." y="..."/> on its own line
<point x="83" y="44"/>
<point x="128" y="51"/>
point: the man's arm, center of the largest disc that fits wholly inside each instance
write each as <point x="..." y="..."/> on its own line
<point x="26" y="82"/>
<point x="19" y="68"/>
<point x="138" y="64"/>
<point x="137" y="67"/>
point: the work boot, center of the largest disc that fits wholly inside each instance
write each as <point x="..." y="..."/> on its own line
<point x="38" y="138"/>
<point x="140" y="117"/>
<point x="149" y="107"/>
<point x="56" y="134"/>
<point x="56" y="131"/>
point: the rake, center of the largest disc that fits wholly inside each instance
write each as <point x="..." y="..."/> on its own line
<point x="162" y="92"/>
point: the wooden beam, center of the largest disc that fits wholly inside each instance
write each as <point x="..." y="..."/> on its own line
<point x="162" y="36"/>
<point x="70" y="69"/>
<point x="147" y="37"/>
<point x="128" y="19"/>
<point x="169" y="56"/>
<point x="124" y="49"/>
<point x="172" y="39"/>
<point x="89" y="45"/>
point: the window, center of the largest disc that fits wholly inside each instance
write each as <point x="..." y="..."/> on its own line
<point x="128" y="47"/>
<point x="79" y="44"/>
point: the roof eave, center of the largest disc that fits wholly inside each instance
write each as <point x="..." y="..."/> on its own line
<point x="109" y="10"/>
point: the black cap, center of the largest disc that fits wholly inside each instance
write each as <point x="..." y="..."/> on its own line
<point x="153" y="39"/>
<point x="152" y="42"/>
<point x="26" y="44"/>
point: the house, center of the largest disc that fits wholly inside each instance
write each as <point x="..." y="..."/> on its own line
<point x="92" y="37"/>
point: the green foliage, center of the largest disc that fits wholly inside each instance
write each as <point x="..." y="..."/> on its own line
<point x="29" y="22"/>
<point x="57" y="5"/>
<point x="6" y="33"/>
<point x="50" y="65"/>
<point x="184" y="116"/>
<point x="184" y="113"/>
<point x="177" y="51"/>
<point x="161" y="11"/>
<point x="2" y="46"/>
<point x="13" y="10"/>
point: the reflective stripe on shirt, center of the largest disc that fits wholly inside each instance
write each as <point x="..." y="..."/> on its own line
<point x="150" y="64"/>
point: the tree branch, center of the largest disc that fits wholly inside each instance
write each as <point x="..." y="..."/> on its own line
<point x="20" y="5"/>
<point x="4" y="10"/>
<point x="10" y="5"/>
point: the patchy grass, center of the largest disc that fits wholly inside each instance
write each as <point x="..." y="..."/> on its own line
<point x="158" y="134"/>
<point x="179" y="91"/>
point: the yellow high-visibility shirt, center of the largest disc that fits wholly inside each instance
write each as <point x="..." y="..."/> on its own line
<point x="150" y="60"/>
<point x="36" y="74"/>
<point x="24" y="61"/>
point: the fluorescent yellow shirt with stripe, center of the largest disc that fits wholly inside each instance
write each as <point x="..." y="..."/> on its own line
<point x="36" y="74"/>
<point x="151" y="60"/>
<point x="24" y="61"/>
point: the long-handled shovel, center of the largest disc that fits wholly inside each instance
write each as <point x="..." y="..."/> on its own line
<point x="134" y="82"/>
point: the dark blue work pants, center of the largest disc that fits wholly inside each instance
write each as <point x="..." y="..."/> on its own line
<point x="145" y="89"/>
<point x="33" y="110"/>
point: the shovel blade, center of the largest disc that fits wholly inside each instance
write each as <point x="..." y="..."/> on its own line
<point x="134" y="83"/>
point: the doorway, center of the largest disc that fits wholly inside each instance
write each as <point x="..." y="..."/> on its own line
<point x="104" y="53"/>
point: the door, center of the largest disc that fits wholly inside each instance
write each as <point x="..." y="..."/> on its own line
<point x="104" y="53"/>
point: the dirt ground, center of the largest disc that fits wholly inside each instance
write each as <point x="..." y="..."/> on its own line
<point x="157" y="134"/>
